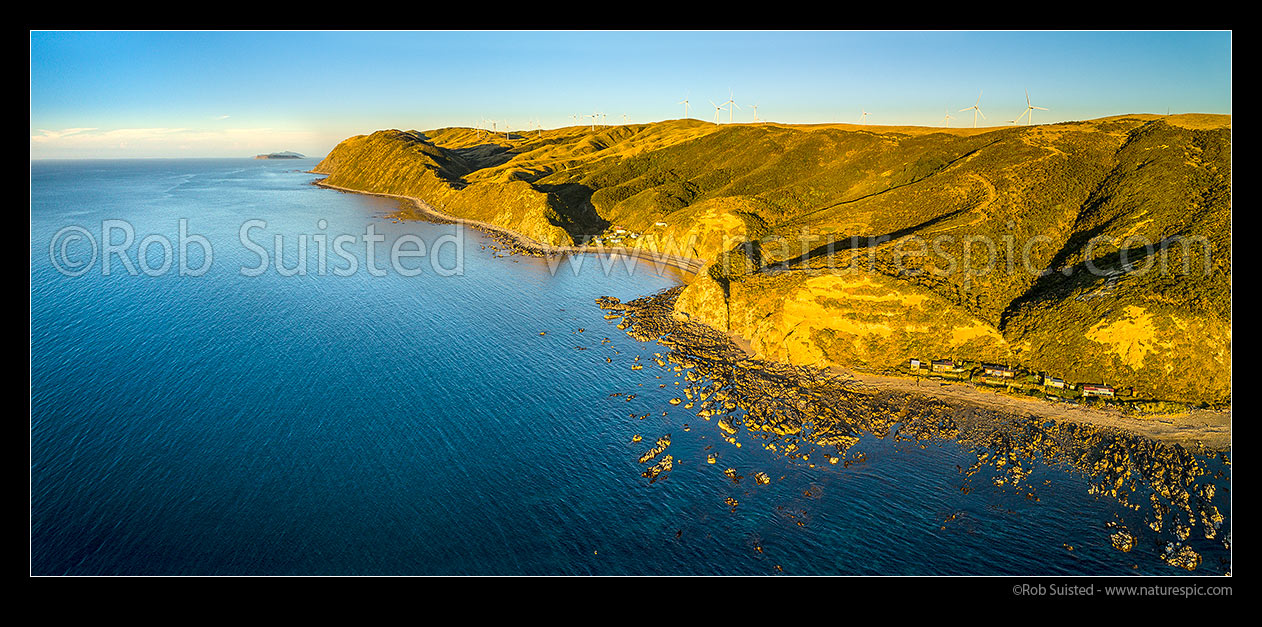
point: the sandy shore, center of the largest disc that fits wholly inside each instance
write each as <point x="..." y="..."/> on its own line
<point x="424" y="211"/>
<point x="1211" y="429"/>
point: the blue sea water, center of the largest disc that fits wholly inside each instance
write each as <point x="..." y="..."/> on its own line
<point x="444" y="423"/>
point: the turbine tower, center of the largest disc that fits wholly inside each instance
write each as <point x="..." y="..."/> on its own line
<point x="977" y="108"/>
<point x="1028" y="114"/>
<point x="684" y="102"/>
<point x="755" y="107"/>
<point x="863" y="116"/>
<point x="946" y="121"/>
<point x="717" y="109"/>
<point x="732" y="103"/>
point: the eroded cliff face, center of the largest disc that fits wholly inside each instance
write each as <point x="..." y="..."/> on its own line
<point x="858" y="319"/>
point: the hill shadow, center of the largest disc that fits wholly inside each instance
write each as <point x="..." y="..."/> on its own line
<point x="1056" y="283"/>
<point x="857" y="242"/>
<point x="575" y="211"/>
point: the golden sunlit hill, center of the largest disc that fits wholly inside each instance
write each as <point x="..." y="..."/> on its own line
<point x="1094" y="251"/>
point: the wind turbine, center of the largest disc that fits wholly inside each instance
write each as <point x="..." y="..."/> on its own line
<point x="625" y="120"/>
<point x="729" y="109"/>
<point x="977" y="108"/>
<point x="863" y="116"/>
<point x="717" y="109"/>
<point x="755" y="107"/>
<point x="946" y="121"/>
<point x="1028" y="114"/>
<point x="684" y="102"/>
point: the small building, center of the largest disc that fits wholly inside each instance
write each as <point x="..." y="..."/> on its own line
<point x="619" y="230"/>
<point x="916" y="365"/>
<point x="1089" y="389"/>
<point x="992" y="370"/>
<point x="942" y="365"/>
<point x="1053" y="382"/>
<point x="659" y="224"/>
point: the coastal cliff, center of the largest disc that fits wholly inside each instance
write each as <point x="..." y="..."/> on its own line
<point x="408" y="164"/>
<point x="1095" y="251"/>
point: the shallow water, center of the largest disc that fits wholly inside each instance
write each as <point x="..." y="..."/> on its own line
<point x="361" y="424"/>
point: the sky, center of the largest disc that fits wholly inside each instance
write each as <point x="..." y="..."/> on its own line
<point x="143" y="94"/>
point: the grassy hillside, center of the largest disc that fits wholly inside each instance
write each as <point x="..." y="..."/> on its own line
<point x="1058" y="248"/>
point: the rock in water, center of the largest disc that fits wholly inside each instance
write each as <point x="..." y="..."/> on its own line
<point x="1182" y="557"/>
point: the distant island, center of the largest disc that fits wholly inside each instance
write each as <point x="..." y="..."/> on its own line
<point x="281" y="155"/>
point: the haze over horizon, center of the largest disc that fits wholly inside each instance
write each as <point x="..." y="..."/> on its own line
<point x="237" y="94"/>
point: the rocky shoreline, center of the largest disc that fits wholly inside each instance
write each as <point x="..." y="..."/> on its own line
<point x="818" y="416"/>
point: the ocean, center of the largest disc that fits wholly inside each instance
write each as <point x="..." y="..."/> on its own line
<point x="204" y="403"/>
